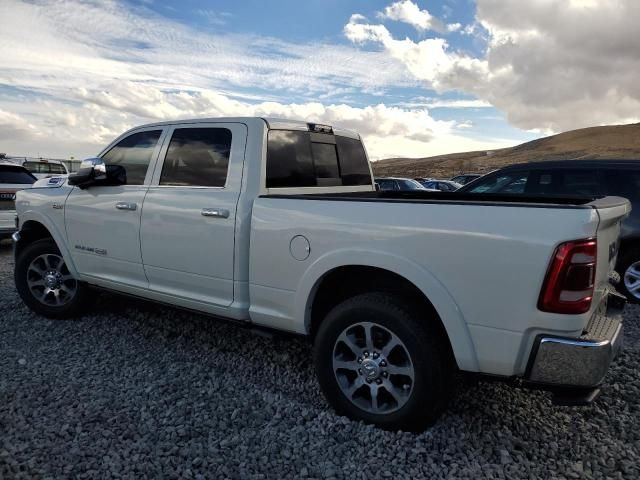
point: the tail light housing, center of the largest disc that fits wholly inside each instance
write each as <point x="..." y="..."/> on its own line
<point x="568" y="285"/>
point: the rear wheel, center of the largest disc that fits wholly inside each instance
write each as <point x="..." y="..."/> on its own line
<point x="629" y="270"/>
<point x="45" y="284"/>
<point x="376" y="363"/>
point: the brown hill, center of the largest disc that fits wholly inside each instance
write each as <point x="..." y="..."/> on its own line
<point x="614" y="141"/>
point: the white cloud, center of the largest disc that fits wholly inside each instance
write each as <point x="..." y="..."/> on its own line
<point x="92" y="70"/>
<point x="14" y="127"/>
<point x="550" y="65"/>
<point x="436" y="103"/>
<point x="465" y="124"/>
<point x="430" y="60"/>
<point x="408" y="12"/>
<point x="214" y="17"/>
<point x="42" y="43"/>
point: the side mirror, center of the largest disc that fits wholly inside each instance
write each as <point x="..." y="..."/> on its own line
<point x="93" y="171"/>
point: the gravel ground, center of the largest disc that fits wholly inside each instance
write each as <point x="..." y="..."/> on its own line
<point x="141" y="391"/>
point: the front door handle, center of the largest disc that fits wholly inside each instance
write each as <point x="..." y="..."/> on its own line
<point x="215" y="212"/>
<point x="126" y="206"/>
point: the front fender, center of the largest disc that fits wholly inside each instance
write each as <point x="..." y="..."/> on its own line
<point x="425" y="281"/>
<point x="56" y="232"/>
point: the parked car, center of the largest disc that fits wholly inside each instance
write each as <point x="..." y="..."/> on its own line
<point x="465" y="178"/>
<point x="44" y="168"/>
<point x="13" y="177"/>
<point x="580" y="177"/>
<point x="277" y="223"/>
<point x="398" y="184"/>
<point x="441" y="185"/>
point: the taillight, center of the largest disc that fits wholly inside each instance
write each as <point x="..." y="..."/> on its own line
<point x="568" y="286"/>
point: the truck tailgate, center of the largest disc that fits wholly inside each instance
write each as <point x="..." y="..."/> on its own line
<point x="611" y="211"/>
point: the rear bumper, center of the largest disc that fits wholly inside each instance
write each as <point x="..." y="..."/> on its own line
<point x="558" y="363"/>
<point x="7" y="223"/>
<point x="6" y="232"/>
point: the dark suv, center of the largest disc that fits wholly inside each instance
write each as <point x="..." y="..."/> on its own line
<point x="580" y="177"/>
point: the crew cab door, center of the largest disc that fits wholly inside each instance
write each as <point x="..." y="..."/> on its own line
<point x="103" y="222"/>
<point x="189" y="213"/>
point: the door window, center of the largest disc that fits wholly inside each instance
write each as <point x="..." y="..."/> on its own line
<point x="134" y="154"/>
<point x="623" y="183"/>
<point x="564" y="182"/>
<point x="386" y="184"/>
<point x="197" y="157"/>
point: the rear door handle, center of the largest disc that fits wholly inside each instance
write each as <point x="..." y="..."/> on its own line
<point x="215" y="212"/>
<point x="126" y="206"/>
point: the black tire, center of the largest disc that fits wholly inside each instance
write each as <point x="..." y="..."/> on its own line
<point x="74" y="307"/>
<point x="429" y="352"/>
<point x="628" y="258"/>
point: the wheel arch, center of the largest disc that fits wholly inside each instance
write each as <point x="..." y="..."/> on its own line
<point x="323" y="286"/>
<point x="35" y="227"/>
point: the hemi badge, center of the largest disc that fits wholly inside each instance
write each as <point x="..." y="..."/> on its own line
<point x="58" y="206"/>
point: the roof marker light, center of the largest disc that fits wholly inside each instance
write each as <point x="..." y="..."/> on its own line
<point x="317" y="128"/>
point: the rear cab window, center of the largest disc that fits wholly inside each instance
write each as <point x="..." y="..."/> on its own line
<point x="303" y="159"/>
<point x="45" y="168"/>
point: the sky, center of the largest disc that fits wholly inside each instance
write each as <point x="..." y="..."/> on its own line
<point x="414" y="78"/>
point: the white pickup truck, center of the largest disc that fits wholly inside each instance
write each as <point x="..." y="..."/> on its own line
<point x="277" y="223"/>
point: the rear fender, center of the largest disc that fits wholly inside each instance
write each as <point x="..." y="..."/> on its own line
<point x="425" y="281"/>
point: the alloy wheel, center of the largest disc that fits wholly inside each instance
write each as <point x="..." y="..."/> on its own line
<point x="50" y="281"/>
<point x="373" y="368"/>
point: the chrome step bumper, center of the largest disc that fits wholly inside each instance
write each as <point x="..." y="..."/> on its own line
<point x="577" y="362"/>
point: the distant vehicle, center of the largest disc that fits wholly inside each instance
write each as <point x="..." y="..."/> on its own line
<point x="13" y="177"/>
<point x="465" y="178"/>
<point x="619" y="178"/>
<point x="423" y="179"/>
<point x="44" y="168"/>
<point x="441" y="185"/>
<point x="398" y="184"/>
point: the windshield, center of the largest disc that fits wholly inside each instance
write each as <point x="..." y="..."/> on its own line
<point x="406" y="184"/>
<point x="511" y="182"/>
<point x="15" y="175"/>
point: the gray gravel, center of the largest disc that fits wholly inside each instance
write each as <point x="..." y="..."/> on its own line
<point x="140" y="391"/>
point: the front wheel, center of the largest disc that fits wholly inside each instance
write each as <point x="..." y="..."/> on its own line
<point x="377" y="363"/>
<point x="45" y="284"/>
